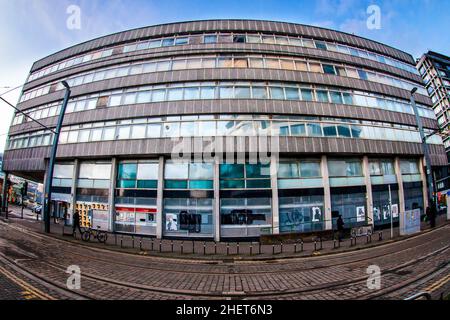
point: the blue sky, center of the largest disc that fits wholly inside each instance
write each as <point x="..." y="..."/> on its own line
<point x="32" y="29"/>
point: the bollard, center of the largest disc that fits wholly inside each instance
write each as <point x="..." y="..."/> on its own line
<point x="182" y="247"/>
<point x="237" y="248"/>
<point x="204" y="247"/>
<point x="259" y="248"/>
<point x="251" y="249"/>
<point x="281" y="247"/>
<point x="193" y="247"/>
<point x="140" y="244"/>
<point x="301" y="245"/>
<point x="152" y="244"/>
<point x="121" y="241"/>
<point x="321" y="246"/>
<point x="295" y="247"/>
<point x="215" y="247"/>
<point x="273" y="249"/>
<point x="115" y="239"/>
<point x="132" y="242"/>
<point x="334" y="243"/>
<point x="171" y="245"/>
<point x="367" y="238"/>
<point x="370" y="238"/>
<point x="315" y="245"/>
<point x="380" y="235"/>
<point x="228" y="248"/>
<point x="160" y="246"/>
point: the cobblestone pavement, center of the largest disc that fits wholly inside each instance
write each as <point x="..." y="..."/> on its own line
<point x="408" y="266"/>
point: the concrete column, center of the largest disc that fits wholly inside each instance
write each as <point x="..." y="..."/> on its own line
<point x="423" y="177"/>
<point x="112" y="190"/>
<point x="401" y="193"/>
<point x="274" y="161"/>
<point x="216" y="201"/>
<point x="159" y="200"/>
<point x="326" y="193"/>
<point x="369" y="197"/>
<point x="73" y="190"/>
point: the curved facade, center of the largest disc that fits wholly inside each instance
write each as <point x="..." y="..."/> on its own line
<point x="332" y="107"/>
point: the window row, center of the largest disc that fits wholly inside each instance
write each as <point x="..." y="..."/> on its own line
<point x="143" y="128"/>
<point x="270" y="62"/>
<point x="224" y="38"/>
<point x="225" y="90"/>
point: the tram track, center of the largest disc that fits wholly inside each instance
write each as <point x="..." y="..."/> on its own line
<point x="123" y="285"/>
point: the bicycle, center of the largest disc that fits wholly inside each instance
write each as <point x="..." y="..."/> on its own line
<point x="98" y="234"/>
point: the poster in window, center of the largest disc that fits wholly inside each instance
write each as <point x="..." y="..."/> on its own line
<point x="360" y="214"/>
<point x="376" y="213"/>
<point x="394" y="209"/>
<point x="171" y="222"/>
<point x="316" y="214"/>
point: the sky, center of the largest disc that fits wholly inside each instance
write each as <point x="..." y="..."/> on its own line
<point x="33" y="29"/>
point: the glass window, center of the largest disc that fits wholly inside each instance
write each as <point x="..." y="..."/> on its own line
<point x="123" y="132"/>
<point x="207" y="92"/>
<point x="175" y="94"/>
<point x="226" y="92"/>
<point x="321" y="45"/>
<point x="375" y="168"/>
<point x="328" y="69"/>
<point x="191" y="93"/>
<point x="201" y="171"/>
<point x="288" y="170"/>
<point x="210" y="39"/>
<point x="231" y="171"/>
<point x="348" y="99"/>
<point x="109" y="133"/>
<point x="240" y="63"/>
<point x="259" y="93"/>
<point x="96" y="134"/>
<point x="130" y="98"/>
<point x="176" y="171"/>
<point x="307" y="95"/>
<point x="322" y="96"/>
<point x="329" y="130"/>
<point x="168" y="42"/>
<point x="114" y="100"/>
<point x="171" y="129"/>
<point x="256" y="63"/>
<point x="158" y="95"/>
<point x="84" y="136"/>
<point x="187" y="129"/>
<point x="298" y="129"/>
<point x="178" y="64"/>
<point x="225" y="62"/>
<point x="147" y="171"/>
<point x="242" y="92"/>
<point x="287" y="64"/>
<point x="292" y="93"/>
<point x="127" y="171"/>
<point x="276" y="93"/>
<point x="301" y="65"/>
<point x="336" y="97"/>
<point x="154" y="130"/>
<point x="314" y="130"/>
<point x="257" y="170"/>
<point x="272" y="63"/>
<point x="207" y="128"/>
<point x="181" y="41"/>
<point x="343" y="131"/>
<point x="362" y="75"/>
<point x="310" y="169"/>
<point x="143" y="97"/>
<point x="239" y="38"/>
<point x="315" y="67"/>
<point x="163" y="66"/>
<point x="138" y="131"/>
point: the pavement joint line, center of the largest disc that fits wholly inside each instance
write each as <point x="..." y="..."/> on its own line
<point x="285" y="260"/>
<point x="45" y="282"/>
<point x="265" y="293"/>
<point x="337" y="254"/>
<point x="26" y="286"/>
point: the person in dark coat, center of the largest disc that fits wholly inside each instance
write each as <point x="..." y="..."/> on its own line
<point x="432" y="213"/>
<point x="76" y="222"/>
<point x="340" y="227"/>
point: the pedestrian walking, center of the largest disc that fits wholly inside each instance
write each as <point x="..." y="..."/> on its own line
<point x="76" y="222"/>
<point x="340" y="227"/>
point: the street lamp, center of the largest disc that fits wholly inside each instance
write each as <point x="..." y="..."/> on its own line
<point x="51" y="163"/>
<point x="425" y="147"/>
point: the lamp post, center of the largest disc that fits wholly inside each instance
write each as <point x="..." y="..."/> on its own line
<point x="51" y="164"/>
<point x="425" y="147"/>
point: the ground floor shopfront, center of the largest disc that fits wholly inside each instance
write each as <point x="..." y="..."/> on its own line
<point x="165" y="198"/>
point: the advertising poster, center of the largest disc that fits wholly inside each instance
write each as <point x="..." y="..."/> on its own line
<point x="360" y="214"/>
<point x="171" y="222"/>
<point x="316" y="214"/>
<point x="411" y="222"/>
<point x="394" y="209"/>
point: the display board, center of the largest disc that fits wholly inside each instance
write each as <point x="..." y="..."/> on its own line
<point x="411" y="222"/>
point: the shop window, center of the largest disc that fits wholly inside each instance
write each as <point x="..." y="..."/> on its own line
<point x="239" y="38"/>
<point x="210" y="39"/>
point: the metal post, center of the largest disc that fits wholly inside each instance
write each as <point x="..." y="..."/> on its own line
<point x="425" y="148"/>
<point x="51" y="164"/>
<point x="390" y="211"/>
